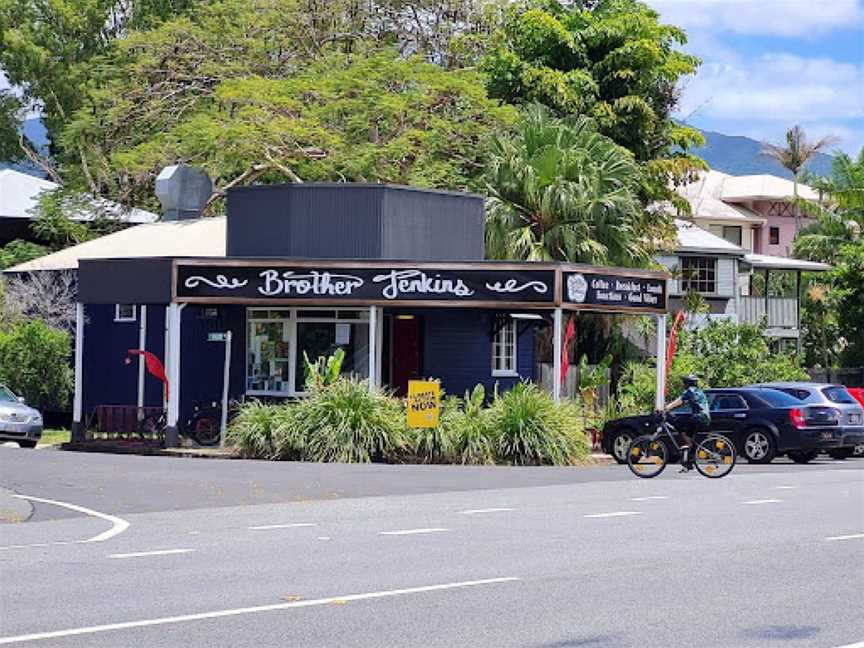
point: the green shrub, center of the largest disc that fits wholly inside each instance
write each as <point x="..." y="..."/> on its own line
<point x="474" y="437"/>
<point x="34" y="362"/>
<point x="348" y="422"/>
<point x="532" y="430"/>
<point x="253" y="429"/>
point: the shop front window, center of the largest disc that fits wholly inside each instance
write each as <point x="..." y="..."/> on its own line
<point x="279" y="338"/>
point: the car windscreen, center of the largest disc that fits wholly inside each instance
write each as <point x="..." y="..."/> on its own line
<point x="7" y="396"/>
<point x="838" y="394"/>
<point x="777" y="398"/>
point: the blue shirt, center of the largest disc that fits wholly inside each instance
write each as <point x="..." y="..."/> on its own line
<point x="698" y="402"/>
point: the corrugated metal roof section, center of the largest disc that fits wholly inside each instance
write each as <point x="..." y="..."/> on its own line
<point x="204" y="237"/>
<point x="766" y="261"/>
<point x="730" y="189"/>
<point x="692" y="238"/>
<point x="19" y="194"/>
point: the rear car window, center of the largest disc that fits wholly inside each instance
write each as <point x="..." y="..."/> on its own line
<point x="777" y="398"/>
<point x="838" y="394"/>
<point x="799" y="394"/>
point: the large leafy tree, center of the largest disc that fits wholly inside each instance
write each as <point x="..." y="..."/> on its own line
<point x="611" y="60"/>
<point x="559" y="190"/>
<point x="46" y="48"/>
<point x="346" y="117"/>
<point x="797" y="151"/>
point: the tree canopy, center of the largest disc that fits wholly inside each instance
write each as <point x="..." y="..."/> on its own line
<point x="559" y="190"/>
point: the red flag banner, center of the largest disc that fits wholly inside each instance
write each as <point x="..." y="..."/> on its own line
<point x="154" y="366"/>
<point x="569" y="334"/>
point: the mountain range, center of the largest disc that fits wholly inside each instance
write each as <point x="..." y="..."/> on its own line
<point x="733" y="154"/>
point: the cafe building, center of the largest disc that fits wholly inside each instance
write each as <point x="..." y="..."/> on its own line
<point x="394" y="276"/>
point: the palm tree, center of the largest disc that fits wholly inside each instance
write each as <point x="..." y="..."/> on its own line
<point x="841" y="219"/>
<point x="794" y="156"/>
<point x="558" y="190"/>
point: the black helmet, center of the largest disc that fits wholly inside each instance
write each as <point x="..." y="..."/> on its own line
<point x="690" y="380"/>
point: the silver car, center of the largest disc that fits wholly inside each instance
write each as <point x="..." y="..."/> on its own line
<point x="18" y="421"/>
<point x="850" y="415"/>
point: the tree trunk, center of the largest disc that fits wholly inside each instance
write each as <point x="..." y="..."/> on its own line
<point x="795" y="197"/>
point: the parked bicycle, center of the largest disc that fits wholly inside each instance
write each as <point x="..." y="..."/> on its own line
<point x="648" y="455"/>
<point x="203" y="427"/>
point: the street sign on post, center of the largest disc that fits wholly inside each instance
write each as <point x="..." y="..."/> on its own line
<point x="216" y="337"/>
<point x="424" y="403"/>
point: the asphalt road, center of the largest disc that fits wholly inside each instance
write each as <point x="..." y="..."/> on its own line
<point x="225" y="553"/>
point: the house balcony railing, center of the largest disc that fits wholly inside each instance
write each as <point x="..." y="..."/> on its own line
<point x="782" y="311"/>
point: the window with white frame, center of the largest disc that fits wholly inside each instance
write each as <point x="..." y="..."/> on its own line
<point x="699" y="274"/>
<point x="278" y="338"/>
<point x="125" y="313"/>
<point x="504" y="350"/>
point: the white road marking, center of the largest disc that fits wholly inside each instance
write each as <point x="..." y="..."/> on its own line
<point x="323" y="537"/>
<point x="486" y="510"/>
<point x="119" y="525"/>
<point x="860" y="644"/>
<point x="762" y="501"/>
<point x="248" y="610"/>
<point x="853" y="536"/>
<point x="265" y="527"/>
<point x="649" y="497"/>
<point x="36" y="544"/>
<point x="413" y="531"/>
<point x="785" y="487"/>
<point x="611" y="515"/>
<point x="158" y="552"/>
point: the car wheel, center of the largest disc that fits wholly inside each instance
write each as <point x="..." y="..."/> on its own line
<point x="27" y="444"/>
<point x="620" y="446"/>
<point x="858" y="450"/>
<point x="803" y="457"/>
<point x="840" y="453"/>
<point x="758" y="446"/>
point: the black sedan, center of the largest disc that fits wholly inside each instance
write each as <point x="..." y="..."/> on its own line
<point x="763" y="423"/>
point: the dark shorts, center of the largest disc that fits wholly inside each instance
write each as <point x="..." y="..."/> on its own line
<point x="691" y="425"/>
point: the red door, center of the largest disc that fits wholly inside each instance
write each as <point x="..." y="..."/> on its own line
<point x="405" y="352"/>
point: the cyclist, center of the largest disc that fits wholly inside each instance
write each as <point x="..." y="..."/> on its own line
<point x="696" y="422"/>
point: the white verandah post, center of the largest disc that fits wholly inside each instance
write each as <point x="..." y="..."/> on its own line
<point x="556" y="355"/>
<point x="172" y="437"/>
<point x="142" y="345"/>
<point x="78" y="430"/>
<point x="374" y="373"/>
<point x="660" y="397"/>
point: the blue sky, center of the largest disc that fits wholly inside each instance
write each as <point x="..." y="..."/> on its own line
<point x="771" y="64"/>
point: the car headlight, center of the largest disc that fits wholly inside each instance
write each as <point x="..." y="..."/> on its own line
<point x="37" y="419"/>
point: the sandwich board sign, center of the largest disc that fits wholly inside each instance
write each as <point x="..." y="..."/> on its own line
<point x="424" y="403"/>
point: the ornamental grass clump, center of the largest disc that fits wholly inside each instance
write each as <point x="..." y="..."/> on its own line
<point x="532" y="430"/>
<point x="252" y="430"/>
<point x="474" y="441"/>
<point x="347" y="422"/>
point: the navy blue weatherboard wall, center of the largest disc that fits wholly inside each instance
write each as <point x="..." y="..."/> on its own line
<point x="109" y="381"/>
<point x="457" y="349"/>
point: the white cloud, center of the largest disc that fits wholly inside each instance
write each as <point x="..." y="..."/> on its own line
<point x="791" y="18"/>
<point x="784" y="87"/>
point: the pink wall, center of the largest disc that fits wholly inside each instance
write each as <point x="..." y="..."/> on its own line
<point x="786" y="224"/>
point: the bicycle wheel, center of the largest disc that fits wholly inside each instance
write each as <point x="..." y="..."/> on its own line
<point x="646" y="457"/>
<point x="715" y="456"/>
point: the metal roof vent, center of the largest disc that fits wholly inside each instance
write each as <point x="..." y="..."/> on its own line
<point x="183" y="191"/>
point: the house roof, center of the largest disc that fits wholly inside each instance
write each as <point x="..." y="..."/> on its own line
<point x="692" y="238"/>
<point x="714" y="195"/>
<point x="204" y="237"/>
<point x="765" y="261"/>
<point x="19" y="194"/>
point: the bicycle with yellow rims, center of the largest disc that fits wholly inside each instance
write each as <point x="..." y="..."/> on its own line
<point x="648" y="455"/>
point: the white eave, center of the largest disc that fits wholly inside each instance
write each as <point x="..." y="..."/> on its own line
<point x="767" y="262"/>
<point x="19" y="195"/>
<point x="204" y="237"/>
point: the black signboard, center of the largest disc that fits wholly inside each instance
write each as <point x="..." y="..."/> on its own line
<point x="327" y="283"/>
<point x="614" y="292"/>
